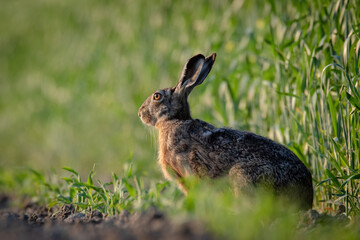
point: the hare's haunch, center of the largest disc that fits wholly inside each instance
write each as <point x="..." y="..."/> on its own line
<point x="191" y="147"/>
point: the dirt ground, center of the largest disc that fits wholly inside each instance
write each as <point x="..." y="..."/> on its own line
<point x="38" y="222"/>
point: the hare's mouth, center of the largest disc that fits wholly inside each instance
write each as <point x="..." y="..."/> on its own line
<point x="146" y="118"/>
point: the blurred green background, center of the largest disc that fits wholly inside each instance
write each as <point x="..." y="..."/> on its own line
<point x="73" y="74"/>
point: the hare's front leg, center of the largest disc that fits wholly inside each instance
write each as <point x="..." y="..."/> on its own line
<point x="170" y="175"/>
<point x="181" y="185"/>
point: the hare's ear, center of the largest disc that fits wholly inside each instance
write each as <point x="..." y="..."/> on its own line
<point x="194" y="73"/>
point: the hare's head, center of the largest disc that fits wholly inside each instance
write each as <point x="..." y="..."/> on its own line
<point x="171" y="103"/>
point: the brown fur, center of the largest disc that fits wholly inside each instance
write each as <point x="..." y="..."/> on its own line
<point x="191" y="147"/>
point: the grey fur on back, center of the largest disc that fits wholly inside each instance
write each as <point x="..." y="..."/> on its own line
<point x="191" y="147"/>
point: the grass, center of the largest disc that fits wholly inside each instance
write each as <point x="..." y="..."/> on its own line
<point x="74" y="73"/>
<point x="247" y="217"/>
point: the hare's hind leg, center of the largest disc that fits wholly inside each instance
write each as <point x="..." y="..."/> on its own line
<point x="239" y="179"/>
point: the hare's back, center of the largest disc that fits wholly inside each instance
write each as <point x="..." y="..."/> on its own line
<point x="255" y="147"/>
<point x="242" y="146"/>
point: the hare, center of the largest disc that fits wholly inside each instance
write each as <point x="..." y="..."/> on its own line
<point x="192" y="147"/>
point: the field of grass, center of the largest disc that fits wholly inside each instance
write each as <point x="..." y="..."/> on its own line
<point x="73" y="74"/>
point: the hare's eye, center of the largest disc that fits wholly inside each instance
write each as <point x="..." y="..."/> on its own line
<point x="157" y="96"/>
